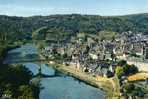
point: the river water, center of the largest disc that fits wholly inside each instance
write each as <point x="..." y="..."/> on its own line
<point x="57" y="86"/>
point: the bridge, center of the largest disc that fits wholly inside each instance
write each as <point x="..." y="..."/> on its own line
<point x="37" y="61"/>
<point x="21" y="61"/>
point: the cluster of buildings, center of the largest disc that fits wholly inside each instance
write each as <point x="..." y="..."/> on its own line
<point x="90" y="54"/>
<point x="134" y="45"/>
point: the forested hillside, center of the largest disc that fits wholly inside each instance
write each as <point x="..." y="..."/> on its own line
<point x="22" y="27"/>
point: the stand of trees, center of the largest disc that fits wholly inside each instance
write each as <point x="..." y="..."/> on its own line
<point x="133" y="91"/>
<point x="20" y="28"/>
<point x="15" y="79"/>
<point x="129" y="89"/>
<point x="14" y="82"/>
<point x="123" y="69"/>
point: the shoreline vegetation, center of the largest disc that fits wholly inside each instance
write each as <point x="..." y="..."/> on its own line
<point x="20" y="87"/>
<point x="59" y="29"/>
<point x="108" y="85"/>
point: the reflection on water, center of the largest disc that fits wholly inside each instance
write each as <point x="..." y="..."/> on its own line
<point x="34" y="68"/>
<point x="45" y="70"/>
<point x="26" y="49"/>
<point x="61" y="87"/>
<point x="24" y="53"/>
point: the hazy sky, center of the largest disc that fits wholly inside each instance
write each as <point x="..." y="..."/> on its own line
<point x="47" y="7"/>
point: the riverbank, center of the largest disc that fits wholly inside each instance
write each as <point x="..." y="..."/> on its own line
<point x="4" y="49"/>
<point x="109" y="85"/>
<point x="10" y="71"/>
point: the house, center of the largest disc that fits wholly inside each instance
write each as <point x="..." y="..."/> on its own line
<point x="137" y="47"/>
<point x="61" y="51"/>
<point x="104" y="70"/>
<point x="109" y="47"/>
<point x="92" y="67"/>
<point x="93" y="56"/>
<point x="145" y="52"/>
<point x="108" y="56"/>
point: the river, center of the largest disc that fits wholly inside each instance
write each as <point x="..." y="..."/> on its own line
<point x="59" y="86"/>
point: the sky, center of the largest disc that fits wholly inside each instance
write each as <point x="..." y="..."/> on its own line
<point x="93" y="7"/>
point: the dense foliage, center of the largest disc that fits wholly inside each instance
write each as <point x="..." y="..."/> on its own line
<point x="131" y="90"/>
<point x="124" y="69"/>
<point x="14" y="82"/>
<point x="15" y="79"/>
<point x="22" y="27"/>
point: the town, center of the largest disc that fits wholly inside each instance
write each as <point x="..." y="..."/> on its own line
<point x="74" y="49"/>
<point x="101" y="56"/>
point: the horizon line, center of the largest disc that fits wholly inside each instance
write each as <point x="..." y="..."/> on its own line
<point x="73" y="14"/>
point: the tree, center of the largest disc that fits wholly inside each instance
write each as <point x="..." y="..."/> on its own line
<point x="122" y="63"/>
<point x="26" y="92"/>
<point x="8" y="93"/>
<point x="106" y="35"/>
<point x="130" y="69"/>
<point x="12" y="77"/>
<point x="129" y="87"/>
<point x="119" y="71"/>
<point x="40" y="45"/>
<point x="131" y="90"/>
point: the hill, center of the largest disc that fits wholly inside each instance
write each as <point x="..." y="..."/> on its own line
<point x="18" y="28"/>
